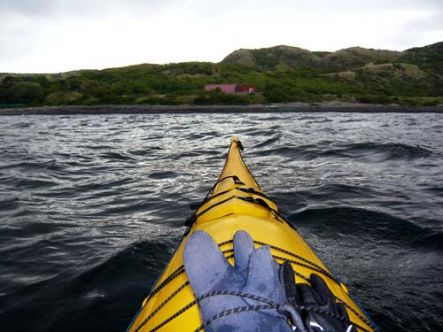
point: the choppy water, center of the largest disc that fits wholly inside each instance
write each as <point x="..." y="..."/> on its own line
<point x="92" y="207"/>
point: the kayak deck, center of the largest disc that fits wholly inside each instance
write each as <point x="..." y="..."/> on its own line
<point x="235" y="203"/>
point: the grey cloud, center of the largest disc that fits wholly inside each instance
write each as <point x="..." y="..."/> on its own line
<point x="415" y="30"/>
<point x="81" y="8"/>
<point x="25" y="7"/>
<point x="383" y="4"/>
<point x="212" y="7"/>
<point x="27" y="27"/>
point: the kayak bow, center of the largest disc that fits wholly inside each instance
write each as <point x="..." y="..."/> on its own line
<point x="234" y="203"/>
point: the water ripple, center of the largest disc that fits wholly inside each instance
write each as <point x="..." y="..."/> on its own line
<point x="92" y="207"/>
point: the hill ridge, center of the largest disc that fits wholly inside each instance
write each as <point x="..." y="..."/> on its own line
<point x="281" y="73"/>
<point x="297" y="58"/>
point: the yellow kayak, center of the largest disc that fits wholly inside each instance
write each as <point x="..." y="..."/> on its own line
<point x="235" y="203"/>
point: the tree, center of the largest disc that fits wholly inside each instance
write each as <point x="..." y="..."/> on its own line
<point x="27" y="92"/>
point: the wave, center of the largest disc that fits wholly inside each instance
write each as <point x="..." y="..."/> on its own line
<point x="367" y="151"/>
<point x="115" y="156"/>
<point x="97" y="147"/>
<point x="326" y="193"/>
<point x="197" y="153"/>
<point x="160" y="175"/>
<point x="146" y="151"/>
<point x="274" y="139"/>
<point x="7" y="204"/>
<point x="204" y="135"/>
<point x="115" y="280"/>
<point x="433" y="242"/>
<point x="79" y="290"/>
<point x="337" y="191"/>
<point x="32" y="183"/>
<point x="362" y="223"/>
<point x="436" y="190"/>
<point x="381" y="152"/>
<point x="34" y="164"/>
<point x="113" y="182"/>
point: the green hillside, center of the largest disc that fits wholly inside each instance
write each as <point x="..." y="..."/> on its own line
<point x="281" y="74"/>
<point x="295" y="58"/>
<point x="429" y="57"/>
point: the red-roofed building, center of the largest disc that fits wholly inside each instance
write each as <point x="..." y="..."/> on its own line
<point x="231" y="88"/>
<point x="226" y="88"/>
<point x="246" y="89"/>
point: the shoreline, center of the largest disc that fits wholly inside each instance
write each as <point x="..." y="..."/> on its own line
<point x="331" y="107"/>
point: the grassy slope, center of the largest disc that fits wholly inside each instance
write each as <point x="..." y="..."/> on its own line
<point x="281" y="74"/>
<point x="429" y="57"/>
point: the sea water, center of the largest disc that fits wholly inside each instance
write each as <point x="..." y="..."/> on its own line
<point x="93" y="206"/>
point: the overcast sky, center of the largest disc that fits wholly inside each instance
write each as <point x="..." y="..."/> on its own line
<point x="62" y="35"/>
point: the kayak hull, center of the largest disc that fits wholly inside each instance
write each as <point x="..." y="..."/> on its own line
<point x="235" y="203"/>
